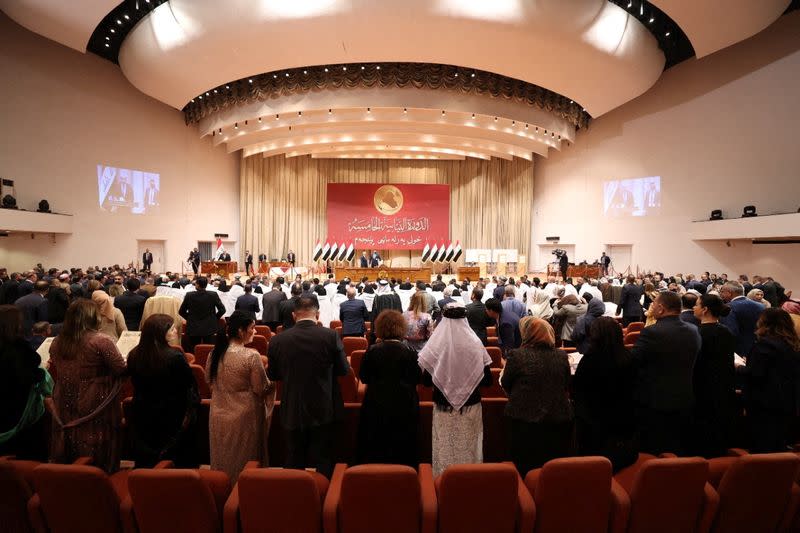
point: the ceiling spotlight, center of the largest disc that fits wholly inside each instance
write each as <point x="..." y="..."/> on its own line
<point x="369" y="110"/>
<point x="456" y="75"/>
<point x="473" y="116"/>
<point x="559" y="137"/>
<point x="666" y="34"/>
<point x="108" y="38"/>
<point x="299" y="113"/>
<point x="344" y="68"/>
<point x="236" y="125"/>
<point x="250" y="80"/>
<point x="287" y="74"/>
<point x="442" y="112"/>
<point x="127" y="17"/>
<point x="259" y="120"/>
<point x="537" y="129"/>
<point x="220" y="131"/>
<point x="228" y="87"/>
<point x="362" y="67"/>
<point x="513" y="122"/>
<point x="571" y="102"/>
<point x="200" y="97"/>
<point x="495" y="119"/>
<point x="119" y="22"/>
<point x="526" y="126"/>
<point x="630" y="4"/>
<point x="113" y="30"/>
<point x="215" y="91"/>
<point x="305" y="72"/>
<point x="275" y="76"/>
<point x="207" y="93"/>
<point x="326" y="69"/>
<point x="545" y="132"/>
<point x="108" y="45"/>
<point x="473" y="75"/>
<point x="330" y="111"/>
<point x="378" y="67"/>
<point x="652" y="19"/>
<point x="245" y="123"/>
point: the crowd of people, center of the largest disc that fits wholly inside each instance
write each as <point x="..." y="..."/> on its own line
<point x="672" y="389"/>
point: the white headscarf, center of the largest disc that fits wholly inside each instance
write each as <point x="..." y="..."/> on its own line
<point x="454" y="357"/>
<point x="539" y="303"/>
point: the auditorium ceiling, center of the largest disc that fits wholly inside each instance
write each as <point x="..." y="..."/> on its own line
<point x="443" y="79"/>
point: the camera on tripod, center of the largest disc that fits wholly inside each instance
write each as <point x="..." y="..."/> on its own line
<point x="558" y="252"/>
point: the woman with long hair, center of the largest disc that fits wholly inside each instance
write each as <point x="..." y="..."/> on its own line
<point x="165" y="397"/>
<point x="241" y="398"/>
<point x="87" y="369"/>
<point x="772" y="381"/>
<point x="112" y="321"/>
<point x="420" y="323"/>
<point x="714" y="379"/>
<point x="603" y="386"/>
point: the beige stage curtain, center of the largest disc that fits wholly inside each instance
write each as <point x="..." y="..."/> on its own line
<point x="283" y="200"/>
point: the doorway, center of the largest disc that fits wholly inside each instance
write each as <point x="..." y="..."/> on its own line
<point x="157" y="248"/>
<point x="621" y="258"/>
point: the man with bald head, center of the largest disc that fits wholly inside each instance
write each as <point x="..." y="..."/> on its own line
<point x="743" y="316"/>
<point x="353" y="312"/>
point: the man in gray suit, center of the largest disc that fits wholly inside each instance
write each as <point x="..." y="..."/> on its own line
<point x="271" y="305"/>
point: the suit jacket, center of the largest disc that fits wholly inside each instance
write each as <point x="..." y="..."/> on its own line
<point x="478" y="319"/>
<point x="629" y="300"/>
<point x="353" y="313"/>
<point x="665" y="355"/>
<point x="225" y="257"/>
<point x="742" y="323"/>
<point x="248" y="302"/>
<point x="57" y="304"/>
<point x="248" y="260"/>
<point x="147" y="258"/>
<point x="363" y="262"/>
<point x="688" y="317"/>
<point x="132" y="306"/>
<point x="271" y="302"/>
<point x="308" y="359"/>
<point x="286" y="309"/>
<point x="262" y="258"/>
<point x="9" y="292"/>
<point x="24" y="289"/>
<point x="383" y="302"/>
<point x="34" y="309"/>
<point x="202" y="310"/>
<point x="290" y="258"/>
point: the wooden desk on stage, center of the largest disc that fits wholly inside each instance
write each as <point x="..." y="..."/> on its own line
<point x="473" y="273"/>
<point x="355" y="274"/>
<point x="584" y="271"/>
<point x="220" y="268"/>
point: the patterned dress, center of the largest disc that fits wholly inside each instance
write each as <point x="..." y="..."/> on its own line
<point x="419" y="329"/>
<point x="85" y="396"/>
<point x="239" y="421"/>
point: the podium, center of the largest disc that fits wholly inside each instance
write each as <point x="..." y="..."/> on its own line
<point x="220" y="268"/>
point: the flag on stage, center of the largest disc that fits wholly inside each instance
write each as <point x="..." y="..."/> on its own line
<point x="457" y="251"/>
<point x="426" y="252"/>
<point x="449" y="253"/>
<point x="334" y="251"/>
<point x="317" y="251"/>
<point x="351" y="252"/>
<point x="433" y="253"/>
<point x="342" y="251"/>
<point x="220" y="249"/>
<point x="442" y="253"/>
<point x="326" y="251"/>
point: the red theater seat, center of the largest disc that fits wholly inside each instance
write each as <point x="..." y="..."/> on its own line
<point x="201" y="354"/>
<point x="497" y="356"/>
<point x="335" y="324"/>
<point x="259" y="343"/>
<point x="264" y="331"/>
<point x="355" y="361"/>
<point x="203" y="388"/>
<point x="352" y="344"/>
<point x="16" y="488"/>
<point x="495" y="390"/>
<point x="631" y="337"/>
<point x="635" y="326"/>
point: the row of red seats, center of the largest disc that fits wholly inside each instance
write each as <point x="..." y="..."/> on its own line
<point x="747" y="494"/>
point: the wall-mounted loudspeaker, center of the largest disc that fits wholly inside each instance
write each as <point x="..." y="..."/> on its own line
<point x="749" y="211"/>
<point x="716" y="214"/>
<point x="552" y="239"/>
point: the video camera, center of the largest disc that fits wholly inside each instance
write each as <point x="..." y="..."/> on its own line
<point x="558" y="252"/>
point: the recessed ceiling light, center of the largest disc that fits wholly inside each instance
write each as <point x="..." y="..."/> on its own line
<point x="666" y="34"/>
<point x="326" y="69"/>
<point x="108" y="38"/>
<point x="119" y="22"/>
<point x="108" y="45"/>
<point x="378" y="67"/>
<point x="113" y="30"/>
<point x="250" y="80"/>
<point x="651" y="20"/>
<point x="127" y="17"/>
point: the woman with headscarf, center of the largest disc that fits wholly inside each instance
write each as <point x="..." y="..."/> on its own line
<point x="539" y="303"/>
<point x="580" y="335"/>
<point x="793" y="308"/>
<point x="112" y="321"/>
<point x="536" y="380"/>
<point x="455" y="362"/>
<point x="567" y="310"/>
<point x="757" y="295"/>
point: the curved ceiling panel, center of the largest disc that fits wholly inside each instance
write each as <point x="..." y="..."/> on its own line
<point x="712" y="25"/>
<point x="591" y="51"/>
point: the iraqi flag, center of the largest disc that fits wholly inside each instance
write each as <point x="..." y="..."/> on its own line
<point x="326" y="251"/>
<point x="351" y="252"/>
<point x="342" y="252"/>
<point x="457" y="251"/>
<point x="315" y="255"/>
<point x="434" y="253"/>
<point x="448" y="255"/>
<point x="334" y="251"/>
<point x="426" y="252"/>
<point x="442" y="253"/>
<point x="220" y="248"/>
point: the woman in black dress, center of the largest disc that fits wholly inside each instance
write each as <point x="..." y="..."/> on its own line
<point x="165" y="397"/>
<point x="772" y="379"/>
<point x="603" y="386"/>
<point x="387" y="431"/>
<point x="714" y="379"/>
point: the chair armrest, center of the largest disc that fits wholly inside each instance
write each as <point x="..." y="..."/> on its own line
<point x="230" y="513"/>
<point x="717" y="468"/>
<point x="620" y="509"/>
<point x="164" y="465"/>
<point x="7" y="457"/>
<point x="737" y="452"/>
<point x="330" y="508"/>
<point x="428" y="499"/>
<point x="710" y="506"/>
<point x="526" y="513"/>
<point x="252" y="465"/>
<point x="83" y="461"/>
<point x="35" y="515"/>
<point x="667" y="455"/>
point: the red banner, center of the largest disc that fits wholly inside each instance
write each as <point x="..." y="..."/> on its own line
<point x="388" y="216"/>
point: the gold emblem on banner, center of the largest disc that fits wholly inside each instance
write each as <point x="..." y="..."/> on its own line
<point x="382" y="274"/>
<point x="388" y="200"/>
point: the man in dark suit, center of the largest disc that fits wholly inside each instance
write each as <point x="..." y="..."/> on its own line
<point x="308" y="359"/>
<point x="248" y="302"/>
<point x="687" y="309"/>
<point x="131" y="303"/>
<point x="147" y="259"/>
<point x="353" y="313"/>
<point x="476" y="315"/>
<point x="26" y="284"/>
<point x="629" y="305"/>
<point x="745" y="284"/>
<point x="375" y="260"/>
<point x="286" y="308"/>
<point x="363" y="262"/>
<point x="225" y="256"/>
<point x="665" y="355"/>
<point x="202" y="310"/>
<point x="9" y="291"/>
<point x="248" y="263"/>
<point x="33" y="307"/>
<point x="290" y="258"/>
<point x="743" y="317"/>
<point x="271" y="304"/>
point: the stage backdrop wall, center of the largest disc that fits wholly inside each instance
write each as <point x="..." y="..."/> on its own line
<point x="283" y="200"/>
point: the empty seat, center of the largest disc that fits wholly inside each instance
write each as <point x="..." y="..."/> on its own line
<point x="178" y="500"/>
<point x="201" y="353"/>
<point x="259" y="343"/>
<point x="635" y="326"/>
<point x="491" y="331"/>
<point x="758" y="493"/>
<point x="492" y="341"/>
<point x="271" y="499"/>
<point x="483" y="497"/>
<point x="264" y="331"/>
<point x="385" y="498"/>
<point x="497" y="356"/>
<point x="16" y="479"/>
<point x="604" y="504"/>
<point x="352" y="344"/>
<point x="356" y="356"/>
<point x="631" y="337"/>
<point x="203" y="388"/>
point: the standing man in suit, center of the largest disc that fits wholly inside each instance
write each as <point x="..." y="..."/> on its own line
<point x="743" y="317"/>
<point x="363" y="262"/>
<point x="353" y="313"/>
<point x="308" y="360"/>
<point x="202" y="310"/>
<point x="563" y="265"/>
<point x="194" y="260"/>
<point x="131" y="303"/>
<point x="225" y="256"/>
<point x="286" y="311"/>
<point x="605" y="261"/>
<point x="248" y="302"/>
<point x="33" y="307"/>
<point x="147" y="259"/>
<point x="629" y="305"/>
<point x="248" y="263"/>
<point x="476" y="315"/>
<point x="271" y="304"/>
<point x="375" y="260"/>
<point x="664" y="355"/>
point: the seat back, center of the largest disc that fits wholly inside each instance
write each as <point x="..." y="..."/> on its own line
<point x="202" y="353"/>
<point x="495" y="390"/>
<point x="264" y="331"/>
<point x="631" y="337"/>
<point x="280" y="500"/>
<point x="491" y="331"/>
<point x="352" y="344"/>
<point x="335" y="324"/>
<point x="661" y="488"/>
<point x="355" y="361"/>
<point x="173" y="500"/>
<point x="382" y="498"/>
<point x="497" y="356"/>
<point x="560" y="483"/>
<point x="76" y="498"/>
<point x="754" y="492"/>
<point x="635" y="326"/>
<point x="479" y="497"/>
<point x="349" y="387"/>
<point x="15" y="491"/>
<point x="259" y="343"/>
<point x="203" y="388"/>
